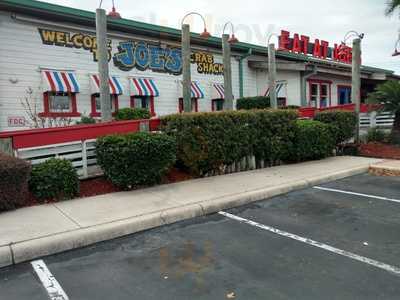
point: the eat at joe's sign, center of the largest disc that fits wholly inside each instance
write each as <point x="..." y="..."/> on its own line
<point x="320" y="49"/>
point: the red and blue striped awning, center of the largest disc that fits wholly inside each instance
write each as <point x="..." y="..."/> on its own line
<point x="218" y="91"/>
<point x="113" y="82"/>
<point x="56" y="81"/>
<point x="196" y="90"/>
<point x="143" y="87"/>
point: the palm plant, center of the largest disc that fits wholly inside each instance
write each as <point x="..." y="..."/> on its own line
<point x="392" y="6"/>
<point x="388" y="95"/>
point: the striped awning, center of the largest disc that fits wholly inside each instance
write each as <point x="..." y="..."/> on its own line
<point x="280" y="90"/>
<point x="113" y="82"/>
<point x="218" y="91"/>
<point x="143" y="87"/>
<point x="196" y="90"/>
<point x="56" y="81"/>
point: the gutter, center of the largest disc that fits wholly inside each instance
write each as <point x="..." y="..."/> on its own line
<point x="241" y="83"/>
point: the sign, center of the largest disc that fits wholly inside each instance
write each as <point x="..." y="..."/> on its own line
<point x="16" y="121"/>
<point x="77" y="41"/>
<point x="301" y="44"/>
<point x="144" y="56"/>
<point x="205" y="64"/>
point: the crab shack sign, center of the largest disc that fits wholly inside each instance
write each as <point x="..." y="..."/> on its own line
<point x="317" y="48"/>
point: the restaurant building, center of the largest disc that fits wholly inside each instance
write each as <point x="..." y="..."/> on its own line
<point x="48" y="67"/>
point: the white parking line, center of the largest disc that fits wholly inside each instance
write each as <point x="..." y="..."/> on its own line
<point x="49" y="282"/>
<point x="356" y="194"/>
<point x="377" y="264"/>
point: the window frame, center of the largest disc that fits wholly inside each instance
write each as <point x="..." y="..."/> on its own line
<point x="194" y="100"/>
<point x="319" y="83"/>
<point x="343" y="86"/>
<point x="151" y="104"/>
<point x="213" y="102"/>
<point x="51" y="114"/>
<point x="95" y="113"/>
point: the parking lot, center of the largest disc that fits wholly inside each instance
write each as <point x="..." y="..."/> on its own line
<point x="336" y="241"/>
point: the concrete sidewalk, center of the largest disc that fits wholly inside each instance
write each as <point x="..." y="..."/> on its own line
<point x="34" y="232"/>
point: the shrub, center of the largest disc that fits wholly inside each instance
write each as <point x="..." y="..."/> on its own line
<point x="86" y="120"/>
<point x="54" y="179"/>
<point x="207" y="142"/>
<point x="290" y="107"/>
<point x="135" y="159"/>
<point x="247" y="103"/>
<point x="14" y="174"/>
<point x="312" y="140"/>
<point x="344" y="124"/>
<point x="132" y="114"/>
<point x="377" y="135"/>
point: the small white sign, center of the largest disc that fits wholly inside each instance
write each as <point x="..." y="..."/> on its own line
<point x="16" y="121"/>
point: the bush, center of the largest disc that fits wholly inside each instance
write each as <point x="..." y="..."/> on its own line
<point x="290" y="107"/>
<point x="132" y="114"/>
<point x="206" y="142"/>
<point x="377" y="135"/>
<point x="86" y="120"/>
<point x="135" y="159"/>
<point x="344" y="124"/>
<point x="312" y="140"/>
<point x="54" y="179"/>
<point x="14" y="174"/>
<point x="253" y="103"/>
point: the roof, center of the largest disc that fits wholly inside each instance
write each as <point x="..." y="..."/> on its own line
<point x="68" y="14"/>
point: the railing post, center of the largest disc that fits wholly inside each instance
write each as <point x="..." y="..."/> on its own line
<point x="84" y="160"/>
<point x="373" y="119"/>
<point x="6" y="146"/>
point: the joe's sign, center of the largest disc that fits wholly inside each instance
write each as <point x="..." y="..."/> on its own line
<point x="319" y="48"/>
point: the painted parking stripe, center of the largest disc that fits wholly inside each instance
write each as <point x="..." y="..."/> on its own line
<point x="49" y="282"/>
<point x="374" y="263"/>
<point x="356" y="194"/>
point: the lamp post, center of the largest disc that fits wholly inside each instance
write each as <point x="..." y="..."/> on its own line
<point x="356" y="76"/>
<point x="272" y="72"/>
<point x="186" y="76"/>
<point x="102" y="56"/>
<point x="226" y="50"/>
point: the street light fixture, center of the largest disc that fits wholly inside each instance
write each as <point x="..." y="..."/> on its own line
<point x="186" y="52"/>
<point x="102" y="55"/>
<point x="272" y="71"/>
<point x="356" y="75"/>
<point x="227" y="41"/>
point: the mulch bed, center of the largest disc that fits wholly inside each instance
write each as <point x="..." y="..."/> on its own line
<point x="380" y="150"/>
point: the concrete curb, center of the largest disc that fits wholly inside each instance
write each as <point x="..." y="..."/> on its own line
<point x="32" y="249"/>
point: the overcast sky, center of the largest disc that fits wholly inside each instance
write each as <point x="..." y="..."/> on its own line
<point x="324" y="19"/>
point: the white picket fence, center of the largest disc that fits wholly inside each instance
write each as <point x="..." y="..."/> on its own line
<point x="374" y="119"/>
<point x="82" y="155"/>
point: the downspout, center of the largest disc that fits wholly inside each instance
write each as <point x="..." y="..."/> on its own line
<point x="303" y="84"/>
<point x="241" y="82"/>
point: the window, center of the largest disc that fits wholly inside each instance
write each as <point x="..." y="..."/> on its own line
<point x="146" y="102"/>
<point x="217" y="104"/>
<point x="195" y="105"/>
<point x="281" y="102"/>
<point x="344" y="95"/>
<point x="59" y="104"/>
<point x="320" y="93"/>
<point x="96" y="105"/>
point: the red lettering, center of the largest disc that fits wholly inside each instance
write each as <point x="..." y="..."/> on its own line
<point x="317" y="48"/>
<point x="305" y="41"/>
<point x="324" y="45"/>
<point x="296" y="44"/>
<point x="284" y="40"/>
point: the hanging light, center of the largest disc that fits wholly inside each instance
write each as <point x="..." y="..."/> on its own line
<point x="205" y="34"/>
<point x="113" y="14"/>
<point x="233" y="39"/>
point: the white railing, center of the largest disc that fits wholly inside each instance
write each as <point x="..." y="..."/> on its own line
<point x="374" y="119"/>
<point x="82" y="155"/>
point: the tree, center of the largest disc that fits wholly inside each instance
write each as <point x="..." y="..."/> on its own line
<point x="392" y="6"/>
<point x="388" y="94"/>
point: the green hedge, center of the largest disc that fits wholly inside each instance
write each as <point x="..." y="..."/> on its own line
<point x="125" y="114"/>
<point x="248" y="103"/>
<point x="312" y="140"/>
<point x="135" y="159"/>
<point x="344" y="124"/>
<point x="207" y="142"/>
<point x="54" y="179"/>
<point x="14" y="174"/>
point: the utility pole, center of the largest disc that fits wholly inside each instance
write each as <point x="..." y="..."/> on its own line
<point x="226" y="49"/>
<point x="272" y="75"/>
<point x="102" y="55"/>
<point x="186" y="76"/>
<point x="356" y="82"/>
